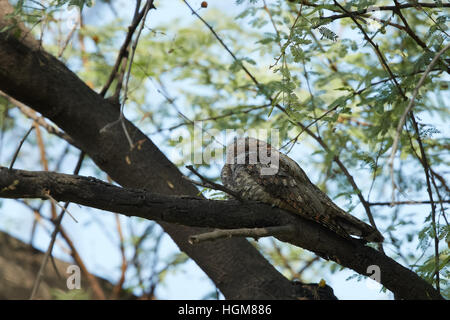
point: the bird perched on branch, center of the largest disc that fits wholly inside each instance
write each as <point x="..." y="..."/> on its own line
<point x="257" y="171"/>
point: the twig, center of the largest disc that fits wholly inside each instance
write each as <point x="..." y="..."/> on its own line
<point x="40" y="274"/>
<point x="434" y="21"/>
<point x="389" y="79"/>
<point x="243" y="232"/>
<point x="224" y="45"/>
<point x="410" y="105"/>
<point x="375" y="46"/>
<point x="20" y="146"/>
<point x="313" y="122"/>
<point x="288" y="42"/>
<point x="58" y="205"/>
<point x="123" y="49"/>
<point x="57" y="224"/>
<point x="441" y="180"/>
<point x="163" y="91"/>
<point x="212" y="118"/>
<point x="44" y="161"/>
<point x="69" y="37"/>
<point x="30" y="113"/>
<point x="284" y="260"/>
<point x="272" y="21"/>
<point x="407" y="27"/>
<point x="390" y="203"/>
<point x="308" y="264"/>
<point x="121" y="119"/>
<point x="212" y="185"/>
<point x="385" y="8"/>
<point x="146" y="9"/>
<point x="115" y="98"/>
<point x="118" y="287"/>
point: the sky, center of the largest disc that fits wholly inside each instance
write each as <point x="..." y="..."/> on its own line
<point x="101" y="253"/>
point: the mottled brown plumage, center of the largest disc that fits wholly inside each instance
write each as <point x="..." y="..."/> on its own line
<point x="257" y="171"/>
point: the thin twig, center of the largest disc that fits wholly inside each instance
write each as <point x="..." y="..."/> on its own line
<point x="243" y="232"/>
<point x="407" y="27"/>
<point x="441" y="180"/>
<point x="429" y="181"/>
<point x="284" y="260"/>
<point x="123" y="51"/>
<point x="118" y="287"/>
<point x="266" y="8"/>
<point x="212" y="118"/>
<point x="57" y="224"/>
<point x="146" y="9"/>
<point x="115" y="98"/>
<point x="31" y="114"/>
<point x="380" y="56"/>
<point x="20" y="146"/>
<point x="318" y="119"/>
<point x="395" y="203"/>
<point x="288" y="42"/>
<point x="121" y="120"/>
<point x="224" y="45"/>
<point x="210" y="184"/>
<point x="69" y="37"/>
<point x="60" y="206"/>
<point x="40" y="274"/>
<point x="308" y="264"/>
<point x="163" y="91"/>
<point x="410" y="106"/>
<point x="385" y="8"/>
<point x="44" y="161"/>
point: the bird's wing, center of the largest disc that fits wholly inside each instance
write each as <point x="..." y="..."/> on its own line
<point x="349" y="223"/>
<point x="292" y="190"/>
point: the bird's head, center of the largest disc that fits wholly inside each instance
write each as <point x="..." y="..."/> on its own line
<point x="253" y="151"/>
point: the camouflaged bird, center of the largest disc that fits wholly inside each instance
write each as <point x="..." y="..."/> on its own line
<point x="257" y="171"/>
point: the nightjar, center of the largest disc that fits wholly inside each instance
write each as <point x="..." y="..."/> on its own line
<point x="257" y="171"/>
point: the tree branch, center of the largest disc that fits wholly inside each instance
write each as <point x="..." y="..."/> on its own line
<point x="242" y="232"/>
<point x="386" y="8"/>
<point x="198" y="212"/>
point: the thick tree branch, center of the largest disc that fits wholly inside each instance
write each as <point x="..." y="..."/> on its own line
<point x="198" y="212"/>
